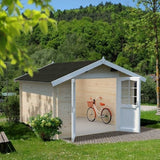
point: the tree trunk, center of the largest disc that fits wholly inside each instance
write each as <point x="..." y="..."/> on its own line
<point x="158" y="84"/>
<point x="157" y="56"/>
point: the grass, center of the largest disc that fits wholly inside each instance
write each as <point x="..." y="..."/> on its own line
<point x="150" y="119"/>
<point x="30" y="148"/>
<point x="34" y="149"/>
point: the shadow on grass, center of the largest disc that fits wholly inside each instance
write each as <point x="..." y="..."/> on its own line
<point x="17" y="130"/>
<point x="146" y="122"/>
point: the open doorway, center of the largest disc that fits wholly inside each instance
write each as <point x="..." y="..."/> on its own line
<point x="93" y="88"/>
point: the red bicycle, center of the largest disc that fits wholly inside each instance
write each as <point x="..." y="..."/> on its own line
<point x="104" y="113"/>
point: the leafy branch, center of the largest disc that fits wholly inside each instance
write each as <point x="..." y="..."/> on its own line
<point x="13" y="24"/>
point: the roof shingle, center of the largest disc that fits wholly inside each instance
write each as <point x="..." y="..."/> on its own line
<point x="54" y="71"/>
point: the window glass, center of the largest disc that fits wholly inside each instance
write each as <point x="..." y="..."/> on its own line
<point x="129" y="92"/>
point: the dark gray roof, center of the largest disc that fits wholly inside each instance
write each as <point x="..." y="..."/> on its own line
<point x="54" y="71"/>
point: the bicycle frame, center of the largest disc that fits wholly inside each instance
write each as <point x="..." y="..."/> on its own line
<point x="98" y="112"/>
<point x="104" y="112"/>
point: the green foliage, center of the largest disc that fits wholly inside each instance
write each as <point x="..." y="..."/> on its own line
<point x="77" y="40"/>
<point x="11" y="108"/>
<point x="45" y="126"/>
<point x="150" y="21"/>
<point x="148" y="91"/>
<point x="123" y="62"/>
<point x="43" y="57"/>
<point x="12" y="24"/>
<point x="101" y="11"/>
<point x="83" y="34"/>
<point x="11" y="87"/>
<point x="16" y="130"/>
<point x="7" y="84"/>
<point x="118" y="36"/>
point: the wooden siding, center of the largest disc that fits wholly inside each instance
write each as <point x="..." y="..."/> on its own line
<point x="62" y="99"/>
<point x="35" y="98"/>
<point x="86" y="88"/>
<point x="99" y="72"/>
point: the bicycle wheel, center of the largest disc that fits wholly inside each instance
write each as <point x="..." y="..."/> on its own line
<point x="106" y="115"/>
<point x="91" y="115"/>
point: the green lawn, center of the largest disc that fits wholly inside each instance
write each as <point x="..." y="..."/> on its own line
<point x="30" y="148"/>
<point x="34" y="149"/>
<point x="150" y="119"/>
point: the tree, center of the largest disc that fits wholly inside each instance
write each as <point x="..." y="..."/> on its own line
<point x="13" y="24"/>
<point x="148" y="91"/>
<point x="152" y="16"/>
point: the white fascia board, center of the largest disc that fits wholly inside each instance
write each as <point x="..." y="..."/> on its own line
<point x="76" y="73"/>
<point x="19" y="77"/>
<point x="123" y="70"/>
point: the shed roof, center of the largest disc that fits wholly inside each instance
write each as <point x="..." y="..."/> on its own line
<point x="54" y="71"/>
<point x="57" y="73"/>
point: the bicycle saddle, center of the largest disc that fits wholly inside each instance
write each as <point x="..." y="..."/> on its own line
<point x="102" y="104"/>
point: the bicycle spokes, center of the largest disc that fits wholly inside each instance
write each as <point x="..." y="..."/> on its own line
<point x="91" y="115"/>
<point x="106" y="115"/>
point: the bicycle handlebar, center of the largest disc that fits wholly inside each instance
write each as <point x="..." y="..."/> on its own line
<point x="96" y="98"/>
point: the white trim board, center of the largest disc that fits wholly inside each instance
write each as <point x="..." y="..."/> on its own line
<point x="126" y="129"/>
<point x="92" y="66"/>
<point x="73" y="110"/>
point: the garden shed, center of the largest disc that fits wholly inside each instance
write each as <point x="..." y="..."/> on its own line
<point x="65" y="88"/>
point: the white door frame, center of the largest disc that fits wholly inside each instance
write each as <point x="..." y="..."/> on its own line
<point x="73" y="109"/>
<point x="134" y="108"/>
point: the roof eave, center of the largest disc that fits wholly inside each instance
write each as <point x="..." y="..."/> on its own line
<point x="17" y="79"/>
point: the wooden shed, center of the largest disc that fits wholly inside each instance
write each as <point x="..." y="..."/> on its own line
<point x="64" y="89"/>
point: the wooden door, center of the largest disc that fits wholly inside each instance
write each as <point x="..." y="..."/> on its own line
<point x="128" y="105"/>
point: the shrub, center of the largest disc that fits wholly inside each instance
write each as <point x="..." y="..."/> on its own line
<point x="10" y="108"/>
<point x="1" y="107"/>
<point x="149" y="91"/>
<point x="16" y="130"/>
<point x="45" y="126"/>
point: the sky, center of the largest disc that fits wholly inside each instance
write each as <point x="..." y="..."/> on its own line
<point x="71" y="4"/>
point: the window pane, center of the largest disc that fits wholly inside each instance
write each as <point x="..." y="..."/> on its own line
<point x="129" y="92"/>
<point x="125" y="100"/>
<point x="133" y="92"/>
<point x="125" y="92"/>
<point x="125" y="83"/>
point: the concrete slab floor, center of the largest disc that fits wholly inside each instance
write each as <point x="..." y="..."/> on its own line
<point x="85" y="127"/>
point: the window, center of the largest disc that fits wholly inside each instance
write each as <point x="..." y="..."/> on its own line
<point x="129" y="92"/>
